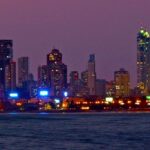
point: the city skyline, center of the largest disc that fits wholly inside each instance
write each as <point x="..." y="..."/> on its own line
<point x="77" y="31"/>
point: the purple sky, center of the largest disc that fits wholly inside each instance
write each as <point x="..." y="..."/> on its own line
<point x="78" y="28"/>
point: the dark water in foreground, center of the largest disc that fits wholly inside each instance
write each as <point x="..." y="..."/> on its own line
<point x="95" y="131"/>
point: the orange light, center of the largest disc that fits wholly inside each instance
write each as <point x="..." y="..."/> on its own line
<point x="129" y="102"/>
<point x="85" y="108"/>
<point x="121" y="102"/>
<point x="97" y="102"/>
<point x="85" y="102"/>
<point x="19" y="104"/>
<point x="138" y="102"/>
<point x="77" y="103"/>
<point x="65" y="105"/>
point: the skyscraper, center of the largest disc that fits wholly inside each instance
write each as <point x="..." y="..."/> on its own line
<point x="57" y="72"/>
<point x="6" y="55"/>
<point x="91" y="75"/>
<point x="143" y="61"/>
<point x="122" y="83"/>
<point x="23" y="70"/>
<point x="75" y="84"/>
<point x="43" y="76"/>
<point x="84" y="83"/>
<point x="10" y="76"/>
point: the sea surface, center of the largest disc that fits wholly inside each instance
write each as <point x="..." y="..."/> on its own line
<point x="75" y="131"/>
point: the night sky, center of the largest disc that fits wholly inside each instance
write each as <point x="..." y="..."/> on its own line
<point x="78" y="28"/>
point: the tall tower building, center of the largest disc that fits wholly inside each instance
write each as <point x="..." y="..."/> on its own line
<point x="84" y="78"/>
<point x="23" y="70"/>
<point x="10" y="76"/>
<point x="74" y="76"/>
<point x="43" y="76"/>
<point x="57" y="72"/>
<point x="143" y="61"/>
<point x="75" y="84"/>
<point x="6" y="55"/>
<point x="122" y="83"/>
<point x="84" y="83"/>
<point x="91" y="75"/>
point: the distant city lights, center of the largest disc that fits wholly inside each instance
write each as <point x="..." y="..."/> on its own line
<point x="109" y="99"/>
<point x="65" y="93"/>
<point x="13" y="95"/>
<point x="43" y="93"/>
<point x="57" y="101"/>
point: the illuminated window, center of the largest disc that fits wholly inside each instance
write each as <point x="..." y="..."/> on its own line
<point x="51" y="57"/>
<point x="117" y="87"/>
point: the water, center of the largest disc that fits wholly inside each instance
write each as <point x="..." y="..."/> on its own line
<point x="79" y="131"/>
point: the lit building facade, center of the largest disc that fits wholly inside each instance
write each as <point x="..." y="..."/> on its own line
<point x="84" y="83"/>
<point x="91" y="75"/>
<point x="143" y="61"/>
<point x="57" y="73"/>
<point x="6" y="56"/>
<point x="29" y="87"/>
<point x="43" y="76"/>
<point x="75" y="84"/>
<point x="10" y="76"/>
<point x="23" y="70"/>
<point x="110" y="88"/>
<point x="84" y="78"/>
<point x="122" y="83"/>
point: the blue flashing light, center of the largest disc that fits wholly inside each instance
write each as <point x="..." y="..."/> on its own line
<point x="43" y="93"/>
<point x="57" y="101"/>
<point x="65" y="93"/>
<point x="13" y="95"/>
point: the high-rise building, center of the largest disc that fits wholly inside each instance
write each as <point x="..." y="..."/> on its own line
<point x="23" y="70"/>
<point x="57" y="72"/>
<point x="91" y="75"/>
<point x="29" y="87"/>
<point x="54" y="57"/>
<point x="101" y="87"/>
<point x="122" y="83"/>
<point x="74" y="76"/>
<point x="143" y="61"/>
<point x="43" y="76"/>
<point x="110" y="88"/>
<point x="84" y="78"/>
<point x="75" y="84"/>
<point x="6" y="55"/>
<point x="84" y="83"/>
<point x="10" y="76"/>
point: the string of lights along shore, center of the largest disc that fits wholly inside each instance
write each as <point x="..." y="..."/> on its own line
<point x="52" y="77"/>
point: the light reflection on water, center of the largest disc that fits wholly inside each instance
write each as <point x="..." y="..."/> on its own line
<point x="75" y="131"/>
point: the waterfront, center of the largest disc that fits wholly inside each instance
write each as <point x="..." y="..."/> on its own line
<point x="75" y="131"/>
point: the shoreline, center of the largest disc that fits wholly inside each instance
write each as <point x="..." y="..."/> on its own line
<point x="76" y="112"/>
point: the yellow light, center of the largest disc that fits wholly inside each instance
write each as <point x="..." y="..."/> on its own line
<point x="106" y="102"/>
<point x="146" y="34"/>
<point x="85" y="108"/>
<point x="48" y="107"/>
<point x="51" y="57"/>
<point x="109" y="99"/>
